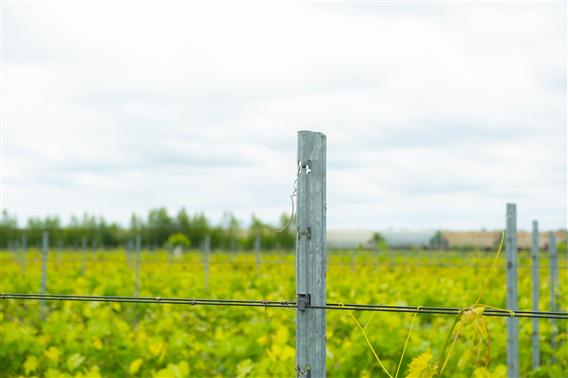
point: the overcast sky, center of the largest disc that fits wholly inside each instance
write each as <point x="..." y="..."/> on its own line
<point x="436" y="115"/>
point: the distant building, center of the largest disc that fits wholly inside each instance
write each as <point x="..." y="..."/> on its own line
<point x="351" y="239"/>
<point x="403" y="239"/>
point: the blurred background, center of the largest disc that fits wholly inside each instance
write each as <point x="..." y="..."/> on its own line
<point x="437" y="114"/>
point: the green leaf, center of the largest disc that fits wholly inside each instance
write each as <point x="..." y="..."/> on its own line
<point x="74" y="361"/>
<point x="420" y="367"/>
<point x="53" y="354"/>
<point x="135" y="366"/>
<point x="244" y="368"/>
<point x="30" y="365"/>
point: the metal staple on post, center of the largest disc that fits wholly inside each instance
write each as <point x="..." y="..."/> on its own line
<point x="554" y="290"/>
<point x="311" y="255"/>
<point x="535" y="295"/>
<point x="512" y="293"/>
<point x="44" y="250"/>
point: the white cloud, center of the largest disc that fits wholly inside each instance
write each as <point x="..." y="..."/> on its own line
<point x="436" y="115"/>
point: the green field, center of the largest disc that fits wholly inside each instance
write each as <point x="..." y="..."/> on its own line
<point x="85" y="339"/>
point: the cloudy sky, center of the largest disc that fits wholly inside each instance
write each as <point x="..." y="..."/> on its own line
<point x="436" y="114"/>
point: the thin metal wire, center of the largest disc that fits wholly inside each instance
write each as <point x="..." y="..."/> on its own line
<point x="294" y="193"/>
<point x="267" y="262"/>
<point x="287" y="304"/>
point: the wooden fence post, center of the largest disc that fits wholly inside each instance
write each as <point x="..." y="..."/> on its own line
<point x="311" y="255"/>
<point x="512" y="293"/>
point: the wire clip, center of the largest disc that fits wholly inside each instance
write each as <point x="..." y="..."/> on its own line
<point x="305" y="165"/>
<point x="307" y="233"/>
<point x="307" y="371"/>
<point x="303" y="301"/>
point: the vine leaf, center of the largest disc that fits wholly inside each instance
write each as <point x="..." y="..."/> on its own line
<point x="422" y="367"/>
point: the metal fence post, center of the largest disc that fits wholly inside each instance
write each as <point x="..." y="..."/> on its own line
<point x="375" y="255"/>
<point x="206" y="250"/>
<point x="353" y="260"/>
<point x="311" y="255"/>
<point x="138" y="242"/>
<point x="58" y="253"/>
<point x="44" y="250"/>
<point x="554" y="290"/>
<point x="16" y="249"/>
<point x="24" y="252"/>
<point x="512" y="293"/>
<point x="137" y="272"/>
<point x="257" y="250"/>
<point x="233" y="251"/>
<point x="535" y="294"/>
<point x="83" y="255"/>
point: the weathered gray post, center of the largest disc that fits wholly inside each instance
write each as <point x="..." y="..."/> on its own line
<point x="554" y="290"/>
<point x="44" y="250"/>
<point x="535" y="294"/>
<point x="512" y="293"/>
<point x="311" y="255"/>
<point x="257" y="250"/>
<point x="206" y="250"/>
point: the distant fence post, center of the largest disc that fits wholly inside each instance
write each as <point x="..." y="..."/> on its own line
<point x="257" y="250"/>
<point x="129" y="248"/>
<point x="16" y="249"/>
<point x="138" y="242"/>
<point x="311" y="255"/>
<point x="512" y="293"/>
<point x="535" y="294"/>
<point x="137" y="272"/>
<point x="206" y="250"/>
<point x="24" y="252"/>
<point x="83" y="255"/>
<point x="554" y="290"/>
<point x="375" y="257"/>
<point x="44" y="250"/>
<point x="58" y="253"/>
<point x="353" y="260"/>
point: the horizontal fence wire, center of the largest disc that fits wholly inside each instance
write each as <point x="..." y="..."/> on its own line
<point x="285" y="304"/>
<point x="370" y="264"/>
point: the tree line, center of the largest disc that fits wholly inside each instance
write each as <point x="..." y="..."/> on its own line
<point x="154" y="229"/>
